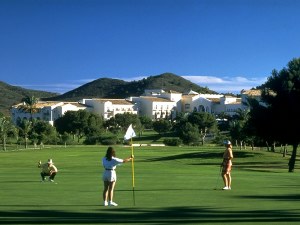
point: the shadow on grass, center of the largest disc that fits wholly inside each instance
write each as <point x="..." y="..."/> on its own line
<point x="170" y="215"/>
<point x="261" y="166"/>
<point x="207" y="158"/>
<point x="291" y="197"/>
<point x="201" y="155"/>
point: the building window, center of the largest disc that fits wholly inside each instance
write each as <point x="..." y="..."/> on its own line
<point x="201" y="108"/>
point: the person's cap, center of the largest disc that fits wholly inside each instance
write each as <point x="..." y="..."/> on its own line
<point x="227" y="142"/>
<point x="50" y="161"/>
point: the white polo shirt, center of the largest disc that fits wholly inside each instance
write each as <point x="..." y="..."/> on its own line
<point x="112" y="164"/>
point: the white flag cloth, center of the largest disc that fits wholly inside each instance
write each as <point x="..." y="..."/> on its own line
<point x="129" y="133"/>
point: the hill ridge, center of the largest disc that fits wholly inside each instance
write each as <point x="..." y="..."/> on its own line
<point x="101" y="88"/>
<point x="116" y="88"/>
<point x="10" y="95"/>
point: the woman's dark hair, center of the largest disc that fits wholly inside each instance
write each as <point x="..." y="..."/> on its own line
<point x="110" y="153"/>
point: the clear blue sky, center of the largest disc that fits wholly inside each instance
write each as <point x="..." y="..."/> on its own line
<point x="225" y="45"/>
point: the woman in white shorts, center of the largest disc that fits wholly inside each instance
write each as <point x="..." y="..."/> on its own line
<point x="110" y="162"/>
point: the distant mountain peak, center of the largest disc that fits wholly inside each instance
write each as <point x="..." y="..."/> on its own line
<point x="116" y="88"/>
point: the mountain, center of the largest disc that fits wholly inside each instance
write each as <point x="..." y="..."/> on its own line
<point x="114" y="88"/>
<point x="100" y="88"/>
<point x="10" y="95"/>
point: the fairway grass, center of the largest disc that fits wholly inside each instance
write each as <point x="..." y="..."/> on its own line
<point x="172" y="185"/>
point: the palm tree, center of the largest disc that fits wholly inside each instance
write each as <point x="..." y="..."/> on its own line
<point x="25" y="127"/>
<point x="30" y="105"/>
<point x="6" y="127"/>
<point x="237" y="126"/>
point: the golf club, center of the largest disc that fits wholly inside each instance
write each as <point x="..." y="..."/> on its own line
<point x="219" y="176"/>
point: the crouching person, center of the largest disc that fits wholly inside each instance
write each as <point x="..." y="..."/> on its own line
<point x="48" y="169"/>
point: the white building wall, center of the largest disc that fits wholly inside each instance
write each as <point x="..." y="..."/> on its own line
<point x="147" y="108"/>
<point x="228" y="100"/>
<point x="62" y="109"/>
<point x="254" y="94"/>
<point x="162" y="109"/>
<point x="218" y="108"/>
<point x="231" y="109"/>
<point x="158" y="109"/>
<point x="96" y="107"/>
<point x="174" y="97"/>
<point x="44" y="113"/>
<point x="48" y="111"/>
<point x="121" y="109"/>
<point x="153" y="107"/>
<point x="202" y="105"/>
<point x="108" y="110"/>
<point x="47" y="114"/>
<point x="228" y="105"/>
<point x="187" y="102"/>
<point x="108" y="107"/>
<point x="211" y="95"/>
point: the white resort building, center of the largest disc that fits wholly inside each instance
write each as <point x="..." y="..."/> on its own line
<point x="109" y="107"/>
<point x="47" y="110"/>
<point x="155" y="103"/>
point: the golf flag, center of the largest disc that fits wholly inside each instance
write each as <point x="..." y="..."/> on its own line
<point x="129" y="133"/>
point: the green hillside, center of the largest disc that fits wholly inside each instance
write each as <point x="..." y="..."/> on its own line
<point x="114" y="88"/>
<point x="10" y="95"/>
<point x="100" y="88"/>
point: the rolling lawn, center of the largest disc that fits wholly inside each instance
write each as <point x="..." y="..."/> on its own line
<point x="179" y="185"/>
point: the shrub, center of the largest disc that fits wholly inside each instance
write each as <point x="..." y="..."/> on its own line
<point x="109" y="141"/>
<point x="172" y="141"/>
<point x="92" y="140"/>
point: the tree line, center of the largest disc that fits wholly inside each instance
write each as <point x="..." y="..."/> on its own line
<point x="271" y="121"/>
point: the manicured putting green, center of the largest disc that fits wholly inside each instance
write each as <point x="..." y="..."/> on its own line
<point x="172" y="185"/>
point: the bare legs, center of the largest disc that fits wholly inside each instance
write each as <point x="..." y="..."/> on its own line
<point x="227" y="180"/>
<point x="108" y="192"/>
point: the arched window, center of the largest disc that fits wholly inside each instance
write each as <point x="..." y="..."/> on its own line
<point x="201" y="108"/>
<point x="187" y="106"/>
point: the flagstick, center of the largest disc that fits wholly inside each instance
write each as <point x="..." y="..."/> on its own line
<point x="132" y="168"/>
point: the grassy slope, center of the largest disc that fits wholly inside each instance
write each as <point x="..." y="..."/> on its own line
<point x="172" y="185"/>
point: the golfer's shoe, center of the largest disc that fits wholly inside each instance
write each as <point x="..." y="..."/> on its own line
<point x="105" y="203"/>
<point x="112" y="204"/>
<point x="226" y="188"/>
<point x="51" y="180"/>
